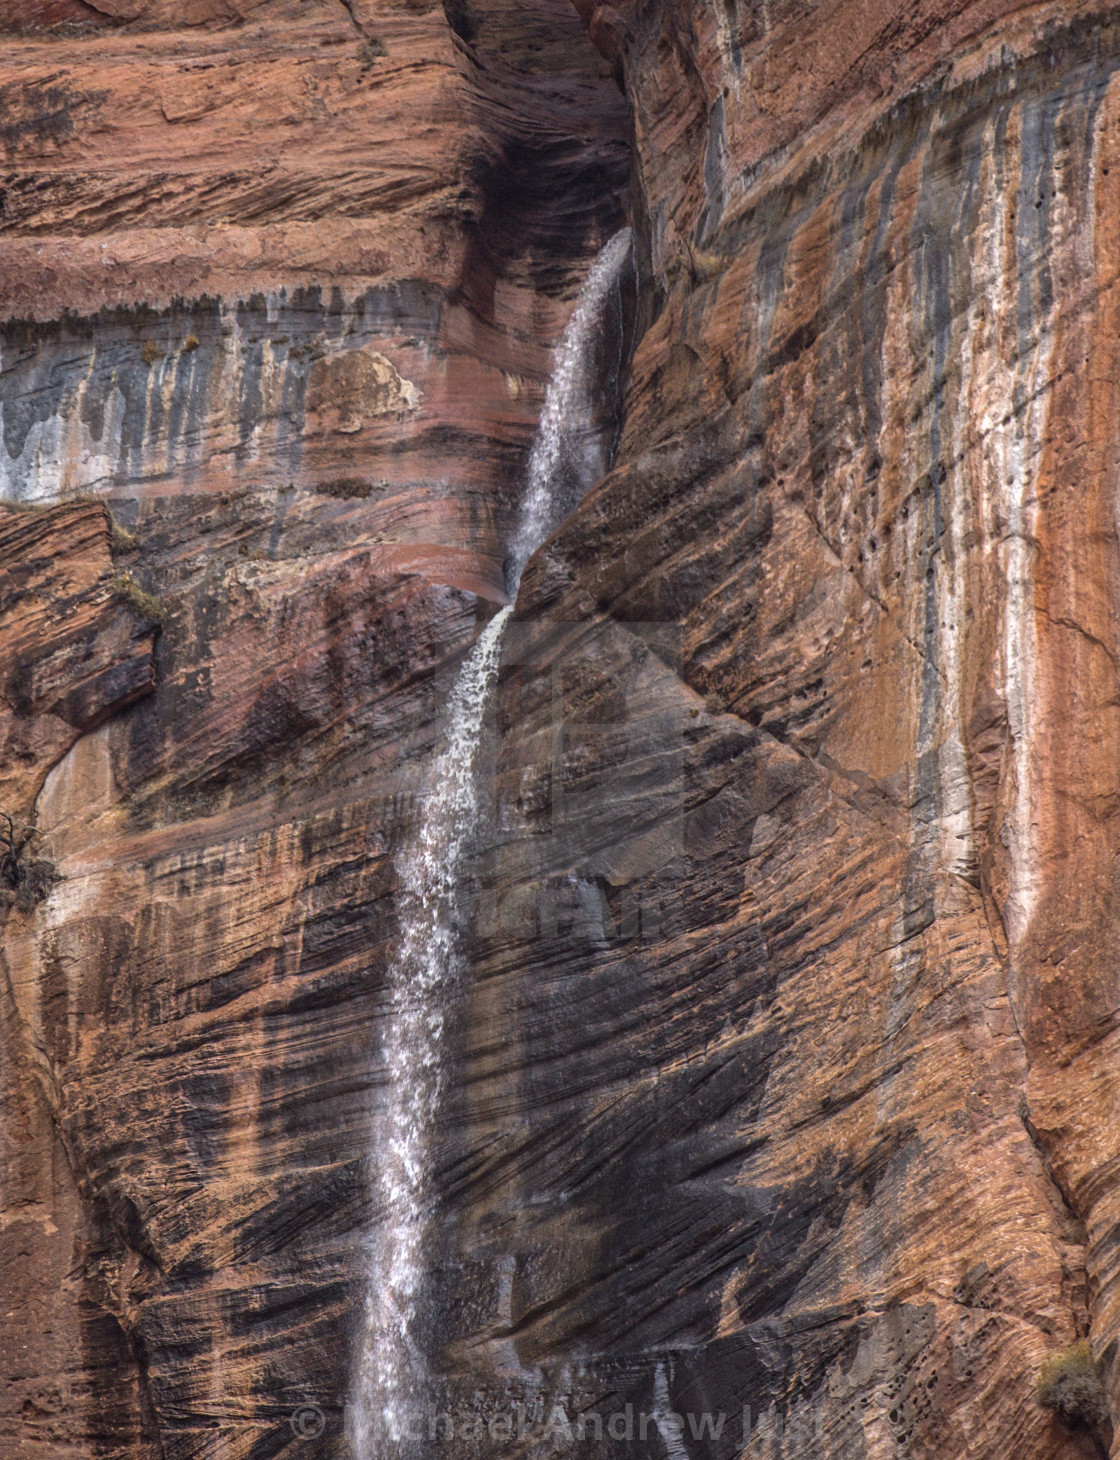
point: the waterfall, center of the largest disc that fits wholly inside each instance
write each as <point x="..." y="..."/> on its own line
<point x="425" y="965"/>
<point x="423" y="974"/>
<point x="565" y="458"/>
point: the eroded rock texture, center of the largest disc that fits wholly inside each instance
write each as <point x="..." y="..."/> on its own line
<point x="279" y="284"/>
<point x="785" y="1071"/>
<point x="860" y="1096"/>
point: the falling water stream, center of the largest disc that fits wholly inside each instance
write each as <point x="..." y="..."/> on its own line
<point x="421" y="980"/>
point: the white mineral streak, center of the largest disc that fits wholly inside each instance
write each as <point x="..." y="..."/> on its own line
<point x="668" y="1422"/>
<point x="423" y="974"/>
<point x="964" y="507"/>
<point x="59" y="454"/>
<point x="1018" y="446"/>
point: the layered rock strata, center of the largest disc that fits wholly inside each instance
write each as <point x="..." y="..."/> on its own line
<point x="835" y="1138"/>
<point x="76" y="646"/>
<point x="280" y="284"/>
<point x="785" y="1076"/>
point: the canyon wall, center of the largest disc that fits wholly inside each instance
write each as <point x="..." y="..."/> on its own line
<point x="785" y="1071"/>
<point x="279" y="284"/>
<point x="836" y="1140"/>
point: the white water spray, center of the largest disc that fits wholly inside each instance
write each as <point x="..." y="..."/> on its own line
<point x="422" y="978"/>
<point x="425" y="964"/>
<point x="565" y="458"/>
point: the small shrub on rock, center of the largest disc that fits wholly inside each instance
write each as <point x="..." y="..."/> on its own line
<point x="1070" y="1384"/>
<point x="371" y="49"/>
<point x="121" y="539"/>
<point x="39" y="876"/>
<point x="347" y="487"/>
<point x="24" y="880"/>
<point x="144" y="605"/>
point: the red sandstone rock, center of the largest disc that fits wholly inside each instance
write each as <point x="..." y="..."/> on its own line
<point x="285" y="291"/>
<point x="77" y="642"/>
<point x="74" y="651"/>
<point x="786" y="1072"/>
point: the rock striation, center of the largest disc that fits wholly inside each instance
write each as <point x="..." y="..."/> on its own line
<point x="785" y="1075"/>
<point x="838" y="1145"/>
<point x="280" y="287"/>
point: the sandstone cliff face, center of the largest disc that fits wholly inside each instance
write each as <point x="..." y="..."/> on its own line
<point x="785" y="1072"/>
<point x="280" y="284"/>
<point x="865" y="501"/>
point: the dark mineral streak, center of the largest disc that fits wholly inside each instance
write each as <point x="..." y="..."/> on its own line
<point x="788" y="1075"/>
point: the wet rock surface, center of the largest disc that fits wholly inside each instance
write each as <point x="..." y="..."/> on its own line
<point x="280" y="287"/>
<point x="784" y="1072"/>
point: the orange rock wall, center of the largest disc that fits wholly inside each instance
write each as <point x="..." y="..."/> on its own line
<point x="868" y="476"/>
<point x="279" y="285"/>
<point x="784" y="1072"/>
